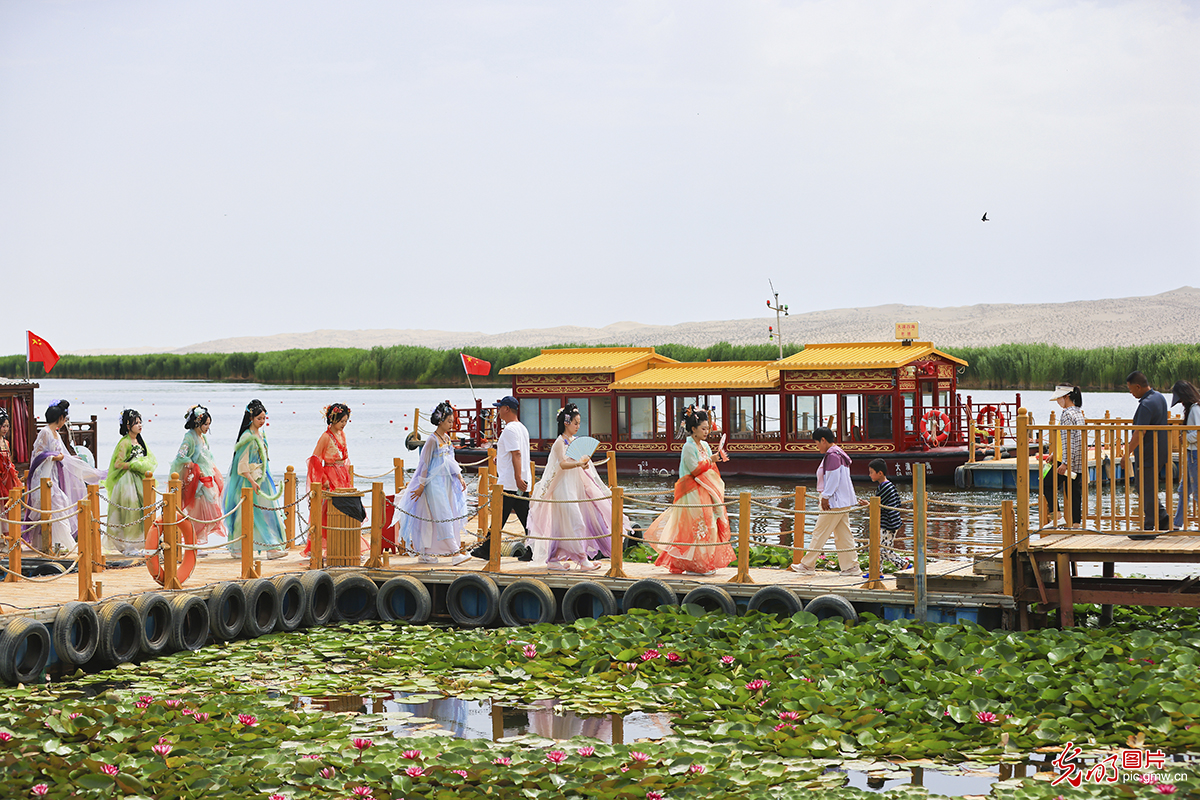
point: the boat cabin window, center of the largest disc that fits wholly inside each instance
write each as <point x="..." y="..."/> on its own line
<point x="540" y="416"/>
<point x="807" y="412"/>
<point x="643" y="418"/>
<point x="700" y="401"/>
<point x="879" y="417"/>
<point x="910" y="413"/>
<point x="600" y="418"/>
<point x="754" y="417"/>
<point x="585" y="413"/>
<point x="867" y="417"/>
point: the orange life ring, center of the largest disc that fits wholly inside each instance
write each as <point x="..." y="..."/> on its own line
<point x="186" y="564"/>
<point x="935" y="427"/>
<point x="987" y="420"/>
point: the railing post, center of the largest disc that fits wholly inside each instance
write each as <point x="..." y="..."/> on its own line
<point x="149" y="500"/>
<point x="874" y="556"/>
<point x="491" y="462"/>
<point x="1022" y="445"/>
<point x="98" y="562"/>
<point x="249" y="568"/>
<point x="743" y="551"/>
<point x="87" y="591"/>
<point x="316" y="526"/>
<point x="1007" y="541"/>
<point x="170" y="533"/>
<point x="376" y="559"/>
<point x="44" y="526"/>
<point x="920" y="599"/>
<point x="799" y="515"/>
<point x="997" y="437"/>
<point x="497" y="514"/>
<point x="289" y="507"/>
<point x="617" y="555"/>
<point x="484" y="495"/>
<point x="14" y="536"/>
<point x="612" y="469"/>
<point x="398" y="475"/>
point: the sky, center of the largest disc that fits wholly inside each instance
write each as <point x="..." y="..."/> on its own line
<point x="172" y="173"/>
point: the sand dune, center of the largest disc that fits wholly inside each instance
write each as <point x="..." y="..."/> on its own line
<point x="1169" y="317"/>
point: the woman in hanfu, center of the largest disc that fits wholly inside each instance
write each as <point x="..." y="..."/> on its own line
<point x="695" y="518"/>
<point x="9" y="479"/>
<point x="131" y="462"/>
<point x="252" y="467"/>
<point x="329" y="465"/>
<point x="570" y="531"/>
<point x="202" y="481"/>
<point x="433" y="508"/>
<point x="69" y="478"/>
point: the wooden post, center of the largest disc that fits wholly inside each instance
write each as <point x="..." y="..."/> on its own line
<point x="289" y="507"/>
<point x="743" y="551"/>
<point x="87" y="591"/>
<point x="416" y="421"/>
<point x="484" y="494"/>
<point x="874" y="556"/>
<point x="920" y="577"/>
<point x="170" y="534"/>
<point x="316" y="527"/>
<point x="612" y="468"/>
<point x="14" y="536"/>
<point x="617" y="556"/>
<point x="1022" y="444"/>
<point x="971" y="438"/>
<point x="491" y="462"/>
<point x="44" y="527"/>
<point x="350" y="470"/>
<point x="997" y="438"/>
<point x="398" y="466"/>
<point x="98" y="562"/>
<point x="376" y="559"/>
<point x="799" y="514"/>
<point x="247" y="534"/>
<point x="496" y="513"/>
<point x="1008" y="557"/>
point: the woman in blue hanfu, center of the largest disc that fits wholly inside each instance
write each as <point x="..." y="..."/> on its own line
<point x="131" y="462"/>
<point x="202" y="481"/>
<point x="433" y="509"/>
<point x="251" y="467"/>
<point x="69" y="477"/>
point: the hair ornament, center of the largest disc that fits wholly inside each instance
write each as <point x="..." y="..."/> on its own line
<point x="441" y="412"/>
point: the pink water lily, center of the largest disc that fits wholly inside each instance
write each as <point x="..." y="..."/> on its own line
<point x="146" y="698"/>
<point x="249" y="720"/>
<point x="414" y="772"/>
<point x="1165" y="788"/>
<point x="624" y="768"/>
<point x="277" y="796"/>
<point x="782" y="725"/>
<point x="653" y="795"/>
<point x="109" y="769"/>
<point x="586" y="752"/>
<point x="727" y="660"/>
<point x="141" y="704"/>
<point x="5" y="736"/>
<point x="757" y="684"/>
<point x="39" y="790"/>
<point x="313" y="757"/>
<point x="556" y="756"/>
<point x="529" y="651"/>
<point x="75" y="715"/>
<point x="163" y="740"/>
<point x="361" y="791"/>
<point x="641" y="758"/>
<point x="361" y="744"/>
<point x="806" y="680"/>
<point x="986" y="716"/>
<point x="789" y="716"/>
<point x="173" y="703"/>
<point x="503" y="761"/>
<point x="327" y="772"/>
<point x="650" y="654"/>
<point x="674" y="658"/>
<point x="200" y="716"/>
<point x="696" y="769"/>
<point x="411" y="755"/>
<point x="163" y="750"/>
<point x="460" y="772"/>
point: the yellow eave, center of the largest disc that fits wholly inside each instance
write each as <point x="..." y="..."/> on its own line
<point x="588" y="360"/>
<point x="862" y="355"/>
<point x="702" y="376"/>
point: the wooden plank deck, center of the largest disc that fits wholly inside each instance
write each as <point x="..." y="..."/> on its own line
<point x="1168" y="547"/>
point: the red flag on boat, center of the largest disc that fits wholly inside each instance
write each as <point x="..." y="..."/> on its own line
<point x="476" y="366"/>
<point x="38" y="349"/>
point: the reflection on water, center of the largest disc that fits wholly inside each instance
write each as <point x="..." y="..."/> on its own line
<point x="406" y="714"/>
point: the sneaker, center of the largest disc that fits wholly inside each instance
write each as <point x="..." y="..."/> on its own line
<point x="427" y="559"/>
<point x="803" y="569"/>
<point x="461" y="558"/>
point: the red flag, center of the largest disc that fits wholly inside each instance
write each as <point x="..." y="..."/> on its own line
<point x="40" y="350"/>
<point x="473" y="365"/>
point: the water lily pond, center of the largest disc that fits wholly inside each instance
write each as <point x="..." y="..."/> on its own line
<point x="664" y="704"/>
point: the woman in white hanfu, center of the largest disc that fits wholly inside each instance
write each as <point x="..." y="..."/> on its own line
<point x="69" y="478"/>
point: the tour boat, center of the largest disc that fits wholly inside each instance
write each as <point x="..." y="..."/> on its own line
<point x="897" y="401"/>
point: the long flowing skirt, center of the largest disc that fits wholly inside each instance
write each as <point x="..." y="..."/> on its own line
<point x="69" y="480"/>
<point x="432" y="524"/>
<point x="126" y="518"/>
<point x="693" y="534"/>
<point x="268" y="527"/>
<point x="202" y="501"/>
<point x="579" y="530"/>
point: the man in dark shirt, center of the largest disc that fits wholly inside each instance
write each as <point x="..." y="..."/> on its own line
<point x="1151" y="450"/>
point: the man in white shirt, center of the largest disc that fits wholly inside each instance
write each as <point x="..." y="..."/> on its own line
<point x="512" y="466"/>
<point x="837" y="495"/>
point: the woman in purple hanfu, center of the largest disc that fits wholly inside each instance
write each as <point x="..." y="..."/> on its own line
<point x="69" y="478"/>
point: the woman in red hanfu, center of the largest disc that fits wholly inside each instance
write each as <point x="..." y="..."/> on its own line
<point x="9" y="479"/>
<point x="692" y="536"/>
<point x="329" y="465"/>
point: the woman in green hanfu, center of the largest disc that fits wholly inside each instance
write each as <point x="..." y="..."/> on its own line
<point x="251" y="467"/>
<point x="131" y="462"/>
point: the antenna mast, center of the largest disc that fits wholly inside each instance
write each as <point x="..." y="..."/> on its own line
<point x="776" y="332"/>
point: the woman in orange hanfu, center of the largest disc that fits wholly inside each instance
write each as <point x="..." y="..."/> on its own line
<point x="330" y="466"/>
<point x="692" y="536"/>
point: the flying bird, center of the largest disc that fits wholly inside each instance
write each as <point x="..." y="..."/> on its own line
<point x="985" y="219"/>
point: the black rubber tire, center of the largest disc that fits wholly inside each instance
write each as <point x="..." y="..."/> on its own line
<point x="588" y="599"/>
<point x="226" y="611"/>
<point x="262" y="608"/>
<point x="190" y="627"/>
<point x="76" y="633"/>
<point x="648" y="593"/>
<point x="831" y="606"/>
<point x="473" y="600"/>
<point x="318" y="598"/>
<point x="777" y="600"/>
<point x="24" y="651"/>
<point x="404" y="599"/>
<point x="522" y="598"/>
<point x="154" y="612"/>
<point x="121" y="633"/>
<point x="712" y="598"/>
<point x="354" y="597"/>
<point x="292" y="602"/>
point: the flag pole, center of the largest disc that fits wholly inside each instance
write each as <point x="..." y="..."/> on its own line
<point x="468" y="372"/>
<point x="27" y="356"/>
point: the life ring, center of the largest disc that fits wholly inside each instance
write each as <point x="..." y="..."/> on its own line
<point x="935" y="427"/>
<point x="986" y="421"/>
<point x="186" y="563"/>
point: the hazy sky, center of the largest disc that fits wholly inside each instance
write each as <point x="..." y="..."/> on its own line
<point x="172" y="172"/>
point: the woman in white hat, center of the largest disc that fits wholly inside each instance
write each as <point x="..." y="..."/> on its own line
<point x="1067" y="456"/>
